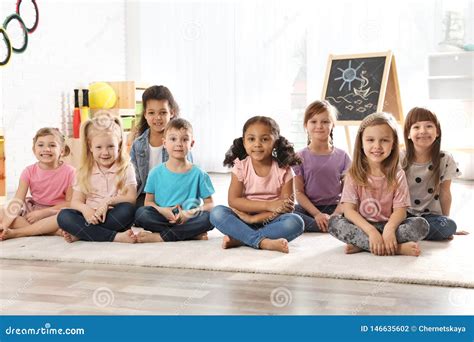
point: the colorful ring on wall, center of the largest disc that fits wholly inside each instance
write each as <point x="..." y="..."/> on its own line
<point x="5" y="47"/>
<point x="25" y="10"/>
<point x="24" y="43"/>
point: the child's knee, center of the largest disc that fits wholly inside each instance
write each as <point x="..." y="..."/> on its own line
<point x="422" y="227"/>
<point x="64" y="217"/>
<point x="449" y="227"/>
<point x="294" y="224"/>
<point x="333" y="224"/>
<point x="218" y="213"/>
<point x="141" y="214"/>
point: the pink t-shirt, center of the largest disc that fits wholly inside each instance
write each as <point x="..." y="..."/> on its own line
<point x="48" y="187"/>
<point x="104" y="184"/>
<point x="261" y="188"/>
<point x="376" y="202"/>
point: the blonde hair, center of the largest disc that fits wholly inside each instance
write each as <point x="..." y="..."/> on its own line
<point x="42" y="132"/>
<point x="318" y="107"/>
<point x="103" y="124"/>
<point x="360" y="167"/>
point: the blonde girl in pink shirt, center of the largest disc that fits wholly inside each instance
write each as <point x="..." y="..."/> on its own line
<point x="375" y="197"/>
<point x="261" y="192"/>
<point x="49" y="182"/>
<point x="103" y="202"/>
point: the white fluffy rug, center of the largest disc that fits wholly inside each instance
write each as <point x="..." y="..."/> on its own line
<point x="314" y="255"/>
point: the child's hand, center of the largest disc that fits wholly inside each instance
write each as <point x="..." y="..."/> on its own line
<point x="185" y="215"/>
<point x="35" y="216"/>
<point x="247" y="218"/>
<point x="101" y="213"/>
<point x="170" y="213"/>
<point x="322" y="221"/>
<point x="376" y="243"/>
<point x="390" y="241"/>
<point x="89" y="216"/>
<point x="281" y="206"/>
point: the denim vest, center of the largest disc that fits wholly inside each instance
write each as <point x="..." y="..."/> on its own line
<point x="140" y="155"/>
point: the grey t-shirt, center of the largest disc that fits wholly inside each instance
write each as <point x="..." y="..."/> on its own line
<point x="424" y="200"/>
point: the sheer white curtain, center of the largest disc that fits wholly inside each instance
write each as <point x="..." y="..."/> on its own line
<point x="224" y="62"/>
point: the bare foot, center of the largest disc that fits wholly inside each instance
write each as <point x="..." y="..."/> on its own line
<point x="69" y="237"/>
<point x="7" y="234"/>
<point x="409" y="248"/>
<point x="450" y="237"/>
<point x="125" y="237"/>
<point x="202" y="236"/>
<point x="280" y="245"/>
<point x="351" y="249"/>
<point x="148" y="237"/>
<point x="461" y="232"/>
<point x="228" y="242"/>
<point x="57" y="233"/>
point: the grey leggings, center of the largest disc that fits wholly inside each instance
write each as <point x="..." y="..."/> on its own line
<point x="411" y="229"/>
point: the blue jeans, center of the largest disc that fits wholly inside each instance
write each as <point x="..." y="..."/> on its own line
<point x="150" y="219"/>
<point x="441" y="227"/>
<point x="118" y="219"/>
<point x="287" y="226"/>
<point x="310" y="224"/>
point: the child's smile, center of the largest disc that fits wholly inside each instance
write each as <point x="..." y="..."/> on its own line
<point x="105" y="149"/>
<point x="377" y="143"/>
<point x="157" y="114"/>
<point x="259" y="141"/>
<point x="47" y="150"/>
<point x="423" y="134"/>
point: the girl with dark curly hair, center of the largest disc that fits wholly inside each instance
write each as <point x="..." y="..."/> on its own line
<point x="261" y="193"/>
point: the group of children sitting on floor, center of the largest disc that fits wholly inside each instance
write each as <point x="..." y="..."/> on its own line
<point x="383" y="201"/>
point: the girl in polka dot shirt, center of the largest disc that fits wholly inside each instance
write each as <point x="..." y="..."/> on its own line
<point x="429" y="172"/>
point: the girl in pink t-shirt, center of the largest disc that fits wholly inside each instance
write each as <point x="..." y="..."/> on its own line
<point x="103" y="201"/>
<point x="375" y="196"/>
<point x="49" y="182"/>
<point x="261" y="193"/>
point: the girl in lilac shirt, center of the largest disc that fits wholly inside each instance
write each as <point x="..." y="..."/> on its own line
<point x="318" y="179"/>
<point x="261" y="193"/>
<point x="49" y="181"/>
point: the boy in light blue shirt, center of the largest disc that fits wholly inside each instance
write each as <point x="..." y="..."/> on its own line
<point x="178" y="194"/>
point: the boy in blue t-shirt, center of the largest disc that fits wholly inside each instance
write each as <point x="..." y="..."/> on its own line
<point x="178" y="194"/>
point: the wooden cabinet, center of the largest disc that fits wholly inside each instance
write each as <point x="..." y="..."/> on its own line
<point x="127" y="107"/>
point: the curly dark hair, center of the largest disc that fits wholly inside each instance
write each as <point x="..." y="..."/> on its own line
<point x="156" y="92"/>
<point x="284" y="153"/>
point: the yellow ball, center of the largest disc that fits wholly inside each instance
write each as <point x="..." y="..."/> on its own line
<point x="101" y="95"/>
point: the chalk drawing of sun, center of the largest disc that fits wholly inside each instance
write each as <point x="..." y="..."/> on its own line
<point x="349" y="75"/>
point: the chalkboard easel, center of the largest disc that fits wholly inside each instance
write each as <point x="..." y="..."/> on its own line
<point x="361" y="84"/>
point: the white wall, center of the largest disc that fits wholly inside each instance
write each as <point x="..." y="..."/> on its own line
<point x="226" y="61"/>
<point x="73" y="46"/>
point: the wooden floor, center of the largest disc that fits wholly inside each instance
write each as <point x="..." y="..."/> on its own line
<point x="40" y="287"/>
